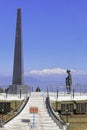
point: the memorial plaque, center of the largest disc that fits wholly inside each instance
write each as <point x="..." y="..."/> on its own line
<point x="67" y="108"/>
<point x="4" y="107"/>
<point x="81" y="108"/>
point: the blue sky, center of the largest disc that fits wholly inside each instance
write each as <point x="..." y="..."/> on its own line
<point x="54" y="34"/>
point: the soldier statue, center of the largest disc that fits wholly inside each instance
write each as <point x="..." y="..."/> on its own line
<point x="68" y="82"/>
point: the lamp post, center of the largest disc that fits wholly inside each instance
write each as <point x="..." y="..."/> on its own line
<point x="47" y="92"/>
<point x="73" y="93"/>
<point x="57" y="92"/>
<point x="6" y="92"/>
<point x="56" y="98"/>
<point x="32" y="89"/>
<point x="20" y="93"/>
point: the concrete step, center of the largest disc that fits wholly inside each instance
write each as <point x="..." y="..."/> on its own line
<point x="47" y="122"/>
<point x="49" y="128"/>
<point x="42" y="119"/>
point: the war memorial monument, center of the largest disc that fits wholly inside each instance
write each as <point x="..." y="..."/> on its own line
<point x="56" y="111"/>
<point x="18" y="70"/>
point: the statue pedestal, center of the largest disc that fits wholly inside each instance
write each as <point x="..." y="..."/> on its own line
<point x="17" y="89"/>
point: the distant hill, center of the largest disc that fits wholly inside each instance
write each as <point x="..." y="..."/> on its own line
<point x="51" y="81"/>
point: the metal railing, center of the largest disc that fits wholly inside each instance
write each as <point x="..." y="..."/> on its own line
<point x="53" y="115"/>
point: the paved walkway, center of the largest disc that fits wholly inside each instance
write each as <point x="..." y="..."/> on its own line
<point x="26" y="121"/>
<point x="64" y="96"/>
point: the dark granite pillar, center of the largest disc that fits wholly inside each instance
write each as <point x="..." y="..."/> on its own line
<point x="18" y="58"/>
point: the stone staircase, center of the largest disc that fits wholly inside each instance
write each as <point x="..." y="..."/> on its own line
<point x="28" y="121"/>
<point x="43" y="121"/>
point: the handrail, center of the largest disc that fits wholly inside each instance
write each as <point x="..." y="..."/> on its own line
<point x="18" y="112"/>
<point x="53" y="115"/>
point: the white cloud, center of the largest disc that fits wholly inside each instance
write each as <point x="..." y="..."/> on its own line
<point x="55" y="71"/>
<point x="48" y="71"/>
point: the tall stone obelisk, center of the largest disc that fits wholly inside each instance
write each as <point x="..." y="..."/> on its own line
<point x="18" y="58"/>
<point x="18" y="86"/>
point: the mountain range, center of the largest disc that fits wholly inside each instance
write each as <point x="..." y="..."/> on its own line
<point x="47" y="81"/>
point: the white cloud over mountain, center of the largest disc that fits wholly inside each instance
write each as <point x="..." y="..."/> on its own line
<point x="48" y="71"/>
<point x="44" y="77"/>
<point x="54" y="71"/>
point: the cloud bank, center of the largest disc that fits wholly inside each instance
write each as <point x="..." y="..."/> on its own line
<point x="48" y="71"/>
<point x="54" y="71"/>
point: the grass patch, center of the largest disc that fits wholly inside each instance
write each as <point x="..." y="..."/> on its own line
<point x="76" y="121"/>
<point x="15" y="106"/>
